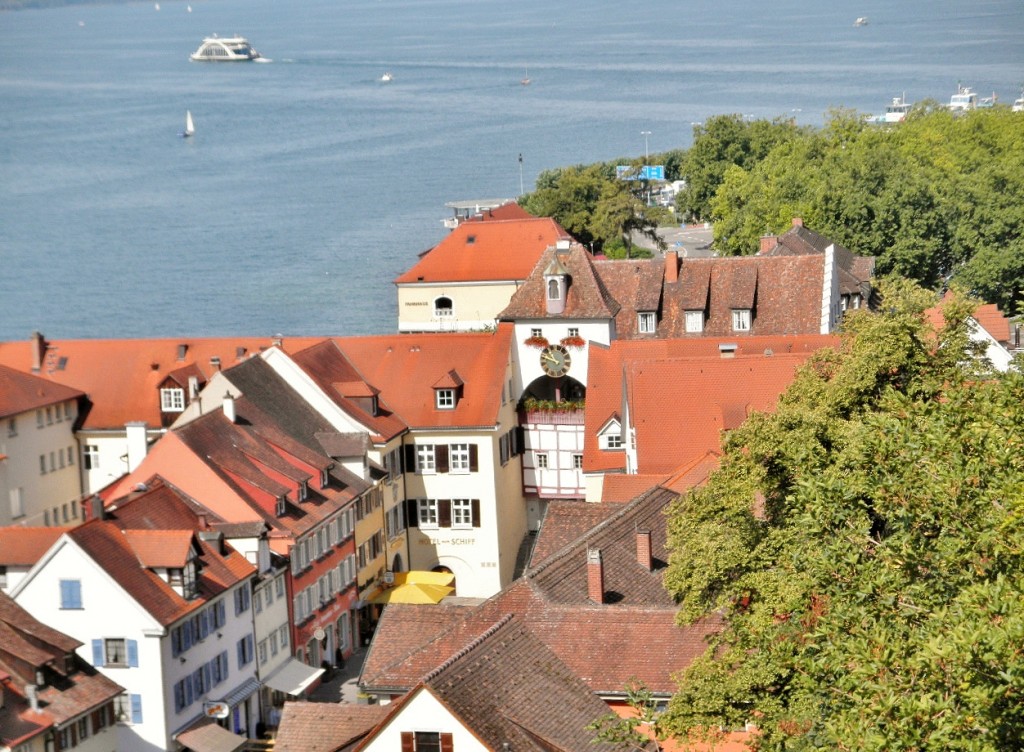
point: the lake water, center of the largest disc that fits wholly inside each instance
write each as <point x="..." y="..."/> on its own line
<point x="310" y="184"/>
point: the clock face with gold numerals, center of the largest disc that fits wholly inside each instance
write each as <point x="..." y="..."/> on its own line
<point x="555" y="360"/>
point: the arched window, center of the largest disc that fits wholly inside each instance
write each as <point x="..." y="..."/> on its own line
<point x="554" y="291"/>
<point x="443" y="307"/>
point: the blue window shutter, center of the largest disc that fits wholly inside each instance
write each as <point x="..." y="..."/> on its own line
<point x="240" y="647"/>
<point x="221" y="613"/>
<point x="204" y="625"/>
<point x="136" y="708"/>
<point x="186" y="630"/>
<point x="133" y="653"/>
<point x="70" y="594"/>
<point x="188" y="691"/>
<point x="224" y="665"/>
<point x="97" y="652"/>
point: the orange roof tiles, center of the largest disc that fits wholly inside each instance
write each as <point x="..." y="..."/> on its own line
<point x="165" y="549"/>
<point x="21" y="392"/>
<point x="121" y="377"/>
<point x="486" y="251"/>
<point x="24" y="546"/>
<point x="406" y="368"/>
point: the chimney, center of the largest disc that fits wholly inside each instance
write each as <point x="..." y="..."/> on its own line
<point x="643" y="549"/>
<point x="595" y="576"/>
<point x="33" y="697"/>
<point x="278" y="340"/>
<point x="671" y="266"/>
<point x="798" y="222"/>
<point x="97" y="509"/>
<point x="38" y="351"/>
<point x="727" y="349"/>
<point x="215" y="362"/>
<point x="229" y="407"/>
<point x="563" y="244"/>
<point x="135" y="432"/>
<point x="768" y="242"/>
<point x="193" y="387"/>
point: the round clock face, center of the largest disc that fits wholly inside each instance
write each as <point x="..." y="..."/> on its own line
<point x="555" y="360"/>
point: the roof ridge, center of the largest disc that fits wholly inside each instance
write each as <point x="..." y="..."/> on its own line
<point x="471" y="645"/>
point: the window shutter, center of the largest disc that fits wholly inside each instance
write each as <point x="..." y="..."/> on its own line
<point x="410" y="458"/>
<point x="447" y="743"/>
<point x="408" y="743"/>
<point x="238" y="649"/>
<point x="441" y="458"/>
<point x="474" y="458"/>
<point x="444" y="512"/>
<point x="136" y="701"/>
<point x="221" y="613"/>
<point x="412" y="512"/>
<point x="133" y="653"/>
<point x="97" y="652"/>
<point x="476" y="512"/>
<point x="520" y="439"/>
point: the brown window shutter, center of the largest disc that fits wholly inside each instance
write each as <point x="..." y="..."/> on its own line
<point x="474" y="458"/>
<point x="410" y="458"/>
<point x="408" y="743"/>
<point x="444" y="512"/>
<point x="520" y="440"/>
<point x="476" y="512"/>
<point x="412" y="512"/>
<point x="447" y="744"/>
<point x="441" y="458"/>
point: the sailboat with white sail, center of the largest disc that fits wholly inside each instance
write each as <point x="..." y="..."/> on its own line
<point x="190" y="127"/>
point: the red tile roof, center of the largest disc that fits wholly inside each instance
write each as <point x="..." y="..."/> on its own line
<point x="324" y="727"/>
<point x="586" y="296"/>
<point x="165" y="549"/>
<point x="121" y="377"/>
<point x="564" y="522"/>
<point x="24" y="546"/>
<point x="406" y="367"/>
<point x="21" y="392"/>
<point x="486" y="251"/>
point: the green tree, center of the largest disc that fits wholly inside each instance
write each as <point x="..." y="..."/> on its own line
<point x="570" y="196"/>
<point x="621" y="213"/>
<point x="864" y="543"/>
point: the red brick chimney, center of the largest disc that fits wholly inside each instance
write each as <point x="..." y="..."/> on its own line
<point x="798" y="222"/>
<point x="595" y="576"/>
<point x="768" y="242"/>
<point x="38" y="351"/>
<point x="671" y="266"/>
<point x="643" y="549"/>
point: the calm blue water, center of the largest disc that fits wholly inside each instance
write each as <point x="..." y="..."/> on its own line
<point x="310" y="184"/>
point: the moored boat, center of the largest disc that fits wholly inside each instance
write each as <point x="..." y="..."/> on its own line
<point x="964" y="99"/>
<point x="896" y="112"/>
<point x="225" y="49"/>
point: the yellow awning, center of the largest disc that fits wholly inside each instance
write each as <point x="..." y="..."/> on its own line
<point x="416" y="587"/>
<point x="420" y="577"/>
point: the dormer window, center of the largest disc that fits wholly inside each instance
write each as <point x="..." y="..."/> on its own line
<point x="189" y="581"/>
<point x="694" y="322"/>
<point x="554" y="290"/>
<point x="443" y="307"/>
<point x="445" y="399"/>
<point x="172" y="400"/>
<point x="646" y="322"/>
<point x="610" y="436"/>
<point x="324" y="478"/>
<point x="303" y="490"/>
<point x="741" y="319"/>
<point x="279" y="507"/>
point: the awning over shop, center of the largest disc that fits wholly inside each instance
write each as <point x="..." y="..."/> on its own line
<point x="416" y="587"/>
<point x="207" y="736"/>
<point x="292" y="677"/>
<point x="244" y="690"/>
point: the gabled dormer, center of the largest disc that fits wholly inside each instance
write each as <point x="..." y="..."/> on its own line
<point x="171" y="555"/>
<point x="556" y="280"/>
<point x="448" y="391"/>
<point x="609" y="436"/>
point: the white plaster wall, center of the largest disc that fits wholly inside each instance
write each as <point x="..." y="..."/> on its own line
<point x="528" y="357"/>
<point x="423" y="712"/>
<point x="829" y="291"/>
<point x="21" y="468"/>
<point x="106" y="612"/>
<point x="113" y="456"/>
<point x="475" y="305"/>
<point x="560" y="443"/>
<point x="272" y="616"/>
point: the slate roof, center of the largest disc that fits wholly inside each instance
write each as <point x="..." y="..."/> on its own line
<point x="324" y="727"/>
<point x="632" y="635"/>
<point x="405" y="367"/>
<point x="28" y="645"/>
<point x="21" y="392"/>
<point x="121" y="377"/>
<point x="499" y="250"/>
<point x="565" y="521"/>
<point x="334" y="373"/>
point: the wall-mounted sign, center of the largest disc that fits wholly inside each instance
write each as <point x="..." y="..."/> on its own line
<point x="216" y="709"/>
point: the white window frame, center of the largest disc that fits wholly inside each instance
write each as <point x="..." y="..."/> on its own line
<point x="741" y="319"/>
<point x="444" y="313"/>
<point x="172" y="400"/>
<point x="577" y="461"/>
<point x="694" y="322"/>
<point x="426" y="459"/>
<point x="462" y="514"/>
<point x="542" y="460"/>
<point x="444" y="399"/>
<point x="646" y="322"/>
<point x="458" y="458"/>
<point x="426" y="510"/>
<point x="91" y="457"/>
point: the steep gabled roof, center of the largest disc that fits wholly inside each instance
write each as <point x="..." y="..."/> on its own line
<point x="23" y="546"/>
<point x="21" y="392"/>
<point x="500" y="250"/>
<point x="324" y="727"/>
<point x="406" y="367"/>
<point x="564" y="522"/>
<point x="587" y="297"/>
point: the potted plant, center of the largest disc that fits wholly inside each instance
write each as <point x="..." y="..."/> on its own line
<point x="573" y="341"/>
<point x="536" y="341"/>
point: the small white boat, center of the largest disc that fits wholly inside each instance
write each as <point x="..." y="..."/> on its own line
<point x="896" y="112"/>
<point x="525" y="80"/>
<point x="386" y="77"/>
<point x="156" y="6"/>
<point x="190" y="127"/>
<point x="964" y="99"/>
<point x="1018" y="104"/>
<point x="861" y="21"/>
<point x="225" y="50"/>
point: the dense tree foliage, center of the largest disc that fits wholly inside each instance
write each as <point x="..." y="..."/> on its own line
<point x="865" y="544"/>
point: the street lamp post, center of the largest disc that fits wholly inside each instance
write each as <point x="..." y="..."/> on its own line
<point x="645" y="134"/>
<point x="520" y="174"/>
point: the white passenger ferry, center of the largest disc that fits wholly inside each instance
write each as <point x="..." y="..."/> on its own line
<point x="225" y="50"/>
